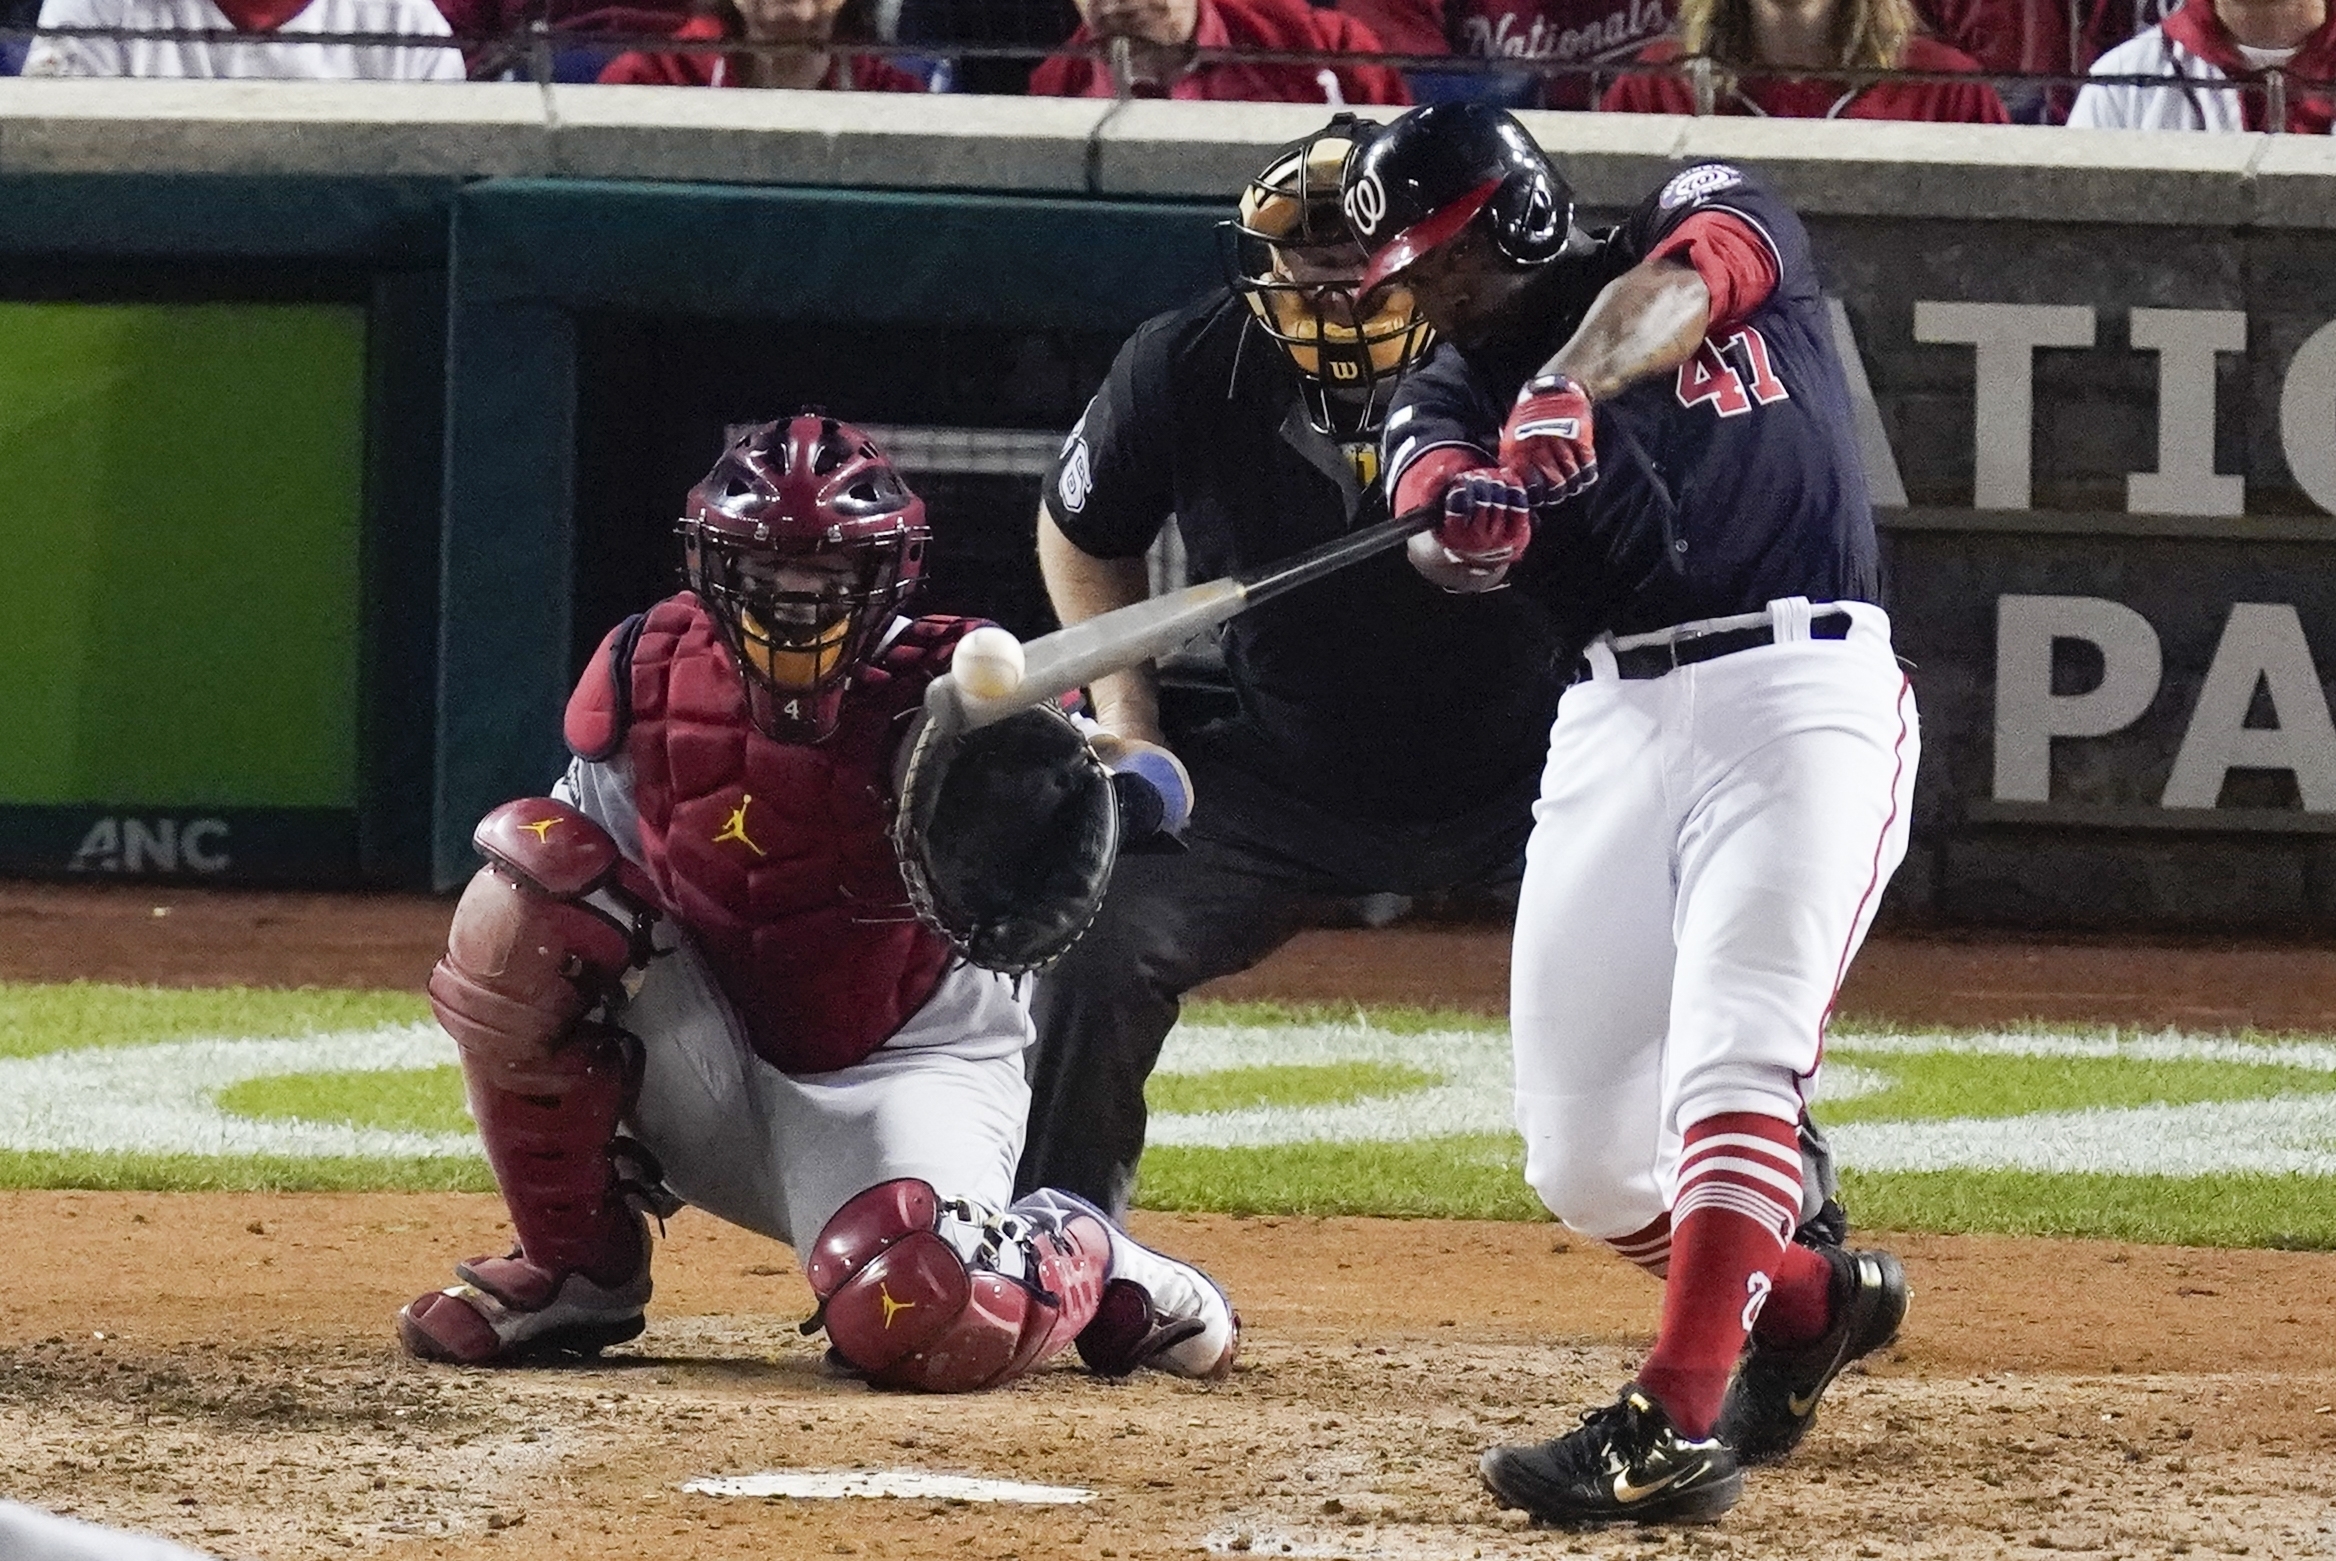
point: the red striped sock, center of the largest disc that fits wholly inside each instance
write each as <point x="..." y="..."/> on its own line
<point x="1649" y="1247"/>
<point x="1739" y="1195"/>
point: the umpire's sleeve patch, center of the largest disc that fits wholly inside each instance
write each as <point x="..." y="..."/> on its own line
<point x="1076" y="478"/>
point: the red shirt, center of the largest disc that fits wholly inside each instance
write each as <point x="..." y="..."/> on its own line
<point x="1792" y="97"/>
<point x="2011" y="37"/>
<point x="845" y="72"/>
<point x="1251" y="24"/>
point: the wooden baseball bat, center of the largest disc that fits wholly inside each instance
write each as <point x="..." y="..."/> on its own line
<point x="1054" y="664"/>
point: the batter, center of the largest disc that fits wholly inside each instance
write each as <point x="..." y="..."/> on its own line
<point x="1648" y="429"/>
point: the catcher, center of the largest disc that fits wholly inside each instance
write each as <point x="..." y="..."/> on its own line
<point x="694" y="975"/>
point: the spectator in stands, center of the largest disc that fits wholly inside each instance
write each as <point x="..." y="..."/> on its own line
<point x="2008" y="37"/>
<point x="1576" y="33"/>
<point x="2217" y="57"/>
<point x="1756" y="46"/>
<point x="280" y="23"/>
<point x="808" y="26"/>
<point x="1163" y="35"/>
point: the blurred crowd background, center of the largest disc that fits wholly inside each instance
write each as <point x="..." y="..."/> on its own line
<point x="2185" y="64"/>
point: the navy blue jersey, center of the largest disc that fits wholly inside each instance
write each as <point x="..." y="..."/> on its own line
<point x="1721" y="487"/>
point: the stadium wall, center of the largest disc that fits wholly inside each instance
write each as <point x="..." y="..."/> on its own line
<point x="2098" y="403"/>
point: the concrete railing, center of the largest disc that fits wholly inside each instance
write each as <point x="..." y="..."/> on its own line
<point x="1143" y="149"/>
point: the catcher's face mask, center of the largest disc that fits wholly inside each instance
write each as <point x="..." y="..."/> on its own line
<point x="795" y="617"/>
<point x="1289" y="255"/>
<point x="803" y="543"/>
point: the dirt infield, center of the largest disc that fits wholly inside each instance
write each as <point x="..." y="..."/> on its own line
<point x="222" y="1368"/>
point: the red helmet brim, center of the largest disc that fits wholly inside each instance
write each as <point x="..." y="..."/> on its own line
<point x="1430" y="232"/>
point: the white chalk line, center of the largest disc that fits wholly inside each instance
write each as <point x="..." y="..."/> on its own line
<point x="162" y="1099"/>
<point x="906" y="1484"/>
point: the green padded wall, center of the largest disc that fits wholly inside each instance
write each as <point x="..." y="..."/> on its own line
<point x="180" y="496"/>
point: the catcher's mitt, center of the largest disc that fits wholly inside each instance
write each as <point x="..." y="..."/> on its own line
<point x="1006" y="836"/>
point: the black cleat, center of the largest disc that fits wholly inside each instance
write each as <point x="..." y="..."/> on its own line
<point x="1625" y="1464"/>
<point x="1773" y="1400"/>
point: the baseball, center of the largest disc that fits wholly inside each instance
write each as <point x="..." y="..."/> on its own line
<point x="988" y="663"/>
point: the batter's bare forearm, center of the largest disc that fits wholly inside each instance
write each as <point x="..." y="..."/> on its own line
<point x="1646" y="322"/>
<point x="1081" y="586"/>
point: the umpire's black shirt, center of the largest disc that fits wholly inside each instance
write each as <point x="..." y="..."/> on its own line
<point x="1371" y="694"/>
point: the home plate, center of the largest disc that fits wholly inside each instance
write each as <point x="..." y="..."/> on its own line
<point x="831" y="1484"/>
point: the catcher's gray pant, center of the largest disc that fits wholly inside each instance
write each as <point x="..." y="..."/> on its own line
<point x="942" y="1100"/>
<point x="27" y="1535"/>
<point x="1261" y="867"/>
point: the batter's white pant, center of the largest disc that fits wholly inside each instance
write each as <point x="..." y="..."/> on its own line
<point x="27" y="1535"/>
<point x="1707" y="853"/>
<point x="945" y="1100"/>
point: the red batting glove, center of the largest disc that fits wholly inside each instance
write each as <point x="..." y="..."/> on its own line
<point x="1546" y="440"/>
<point x="1486" y="520"/>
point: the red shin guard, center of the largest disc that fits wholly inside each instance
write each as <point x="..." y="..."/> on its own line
<point x="1739" y="1195"/>
<point x="550" y="1156"/>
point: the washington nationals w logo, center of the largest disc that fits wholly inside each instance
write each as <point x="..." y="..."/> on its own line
<point x="1366" y="205"/>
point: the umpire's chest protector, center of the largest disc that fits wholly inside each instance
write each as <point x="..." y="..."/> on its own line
<point x="773" y="855"/>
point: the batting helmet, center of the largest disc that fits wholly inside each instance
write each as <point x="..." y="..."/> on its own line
<point x="1423" y="180"/>
<point x="803" y="543"/>
<point x="1289" y="255"/>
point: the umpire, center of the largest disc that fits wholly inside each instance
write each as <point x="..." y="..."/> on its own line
<point x="1389" y="737"/>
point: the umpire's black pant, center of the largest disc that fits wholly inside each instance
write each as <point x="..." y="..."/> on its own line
<point x="1261" y="867"/>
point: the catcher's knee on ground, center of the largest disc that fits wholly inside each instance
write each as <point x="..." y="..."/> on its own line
<point x="918" y="1291"/>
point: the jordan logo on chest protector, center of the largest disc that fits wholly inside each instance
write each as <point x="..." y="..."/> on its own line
<point x="735" y="827"/>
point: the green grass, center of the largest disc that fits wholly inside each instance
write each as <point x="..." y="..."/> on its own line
<point x="40" y="1017"/>
<point x="1392" y="1021"/>
<point x="217" y="1173"/>
<point x="1471" y="1177"/>
<point x="1309" y="1084"/>
<point x="1480" y="1178"/>
<point x="415" y="1100"/>
<point x="1450" y="1178"/>
<point x="1938" y="1085"/>
<point x="2297" y="1212"/>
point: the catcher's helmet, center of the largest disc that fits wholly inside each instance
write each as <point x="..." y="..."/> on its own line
<point x="1425" y="178"/>
<point x="1290" y="256"/>
<point x="803" y="543"/>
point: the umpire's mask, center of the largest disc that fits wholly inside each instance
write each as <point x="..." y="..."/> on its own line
<point x="1290" y="256"/>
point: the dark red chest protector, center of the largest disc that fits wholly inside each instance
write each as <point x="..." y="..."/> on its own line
<point x="773" y="855"/>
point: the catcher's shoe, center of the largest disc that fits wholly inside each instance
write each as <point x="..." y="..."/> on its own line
<point x="1625" y="1463"/>
<point x="1160" y="1313"/>
<point x="507" y="1311"/>
<point x="1773" y="1400"/>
